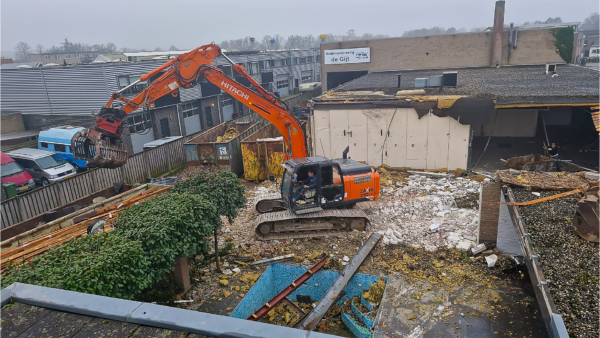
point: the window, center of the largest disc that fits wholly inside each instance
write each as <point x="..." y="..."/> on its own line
<point x="228" y="70"/>
<point x="11" y="168"/>
<point x="126" y="80"/>
<point x="269" y="64"/>
<point x="281" y="62"/>
<point x="60" y="147"/>
<point x="50" y="161"/>
<point x="87" y="55"/>
<point x="253" y="68"/>
<point x="57" y="56"/>
<point x="77" y="56"/>
<point x="46" y="57"/>
<point x="318" y="77"/>
<point x="302" y="61"/>
<point x="309" y="59"/>
<point x="139" y="123"/>
<point x="318" y="58"/>
<point x="226" y="100"/>
<point x="282" y="83"/>
<point x="67" y="56"/>
<point x="44" y="144"/>
<point x="95" y="54"/>
<point x="190" y="109"/>
<point x="306" y="77"/>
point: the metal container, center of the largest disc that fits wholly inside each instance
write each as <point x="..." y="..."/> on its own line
<point x="205" y="150"/>
<point x="263" y="153"/>
<point x="10" y="189"/>
<point x="421" y="82"/>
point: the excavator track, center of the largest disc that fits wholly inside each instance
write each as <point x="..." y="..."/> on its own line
<point x="287" y="225"/>
<point x="269" y="203"/>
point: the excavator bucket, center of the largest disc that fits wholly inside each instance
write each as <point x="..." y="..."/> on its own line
<point x="585" y="222"/>
<point x="99" y="149"/>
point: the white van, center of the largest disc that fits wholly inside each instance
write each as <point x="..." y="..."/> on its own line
<point x="44" y="166"/>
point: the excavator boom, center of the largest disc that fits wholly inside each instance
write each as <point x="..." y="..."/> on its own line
<point x="101" y="146"/>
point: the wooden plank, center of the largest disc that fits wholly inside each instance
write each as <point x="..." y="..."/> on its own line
<point x="542" y="199"/>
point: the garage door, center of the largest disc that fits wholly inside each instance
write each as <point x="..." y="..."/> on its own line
<point x="282" y="84"/>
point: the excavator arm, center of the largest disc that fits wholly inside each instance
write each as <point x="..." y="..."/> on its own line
<point x="101" y="146"/>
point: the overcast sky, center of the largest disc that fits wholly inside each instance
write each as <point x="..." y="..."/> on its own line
<point x="188" y="24"/>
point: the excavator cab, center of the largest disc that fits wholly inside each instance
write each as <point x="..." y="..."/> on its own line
<point x="338" y="183"/>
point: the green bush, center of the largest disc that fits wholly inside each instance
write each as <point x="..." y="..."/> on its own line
<point x="564" y="42"/>
<point x="168" y="227"/>
<point x="222" y="187"/>
<point x="103" y="264"/>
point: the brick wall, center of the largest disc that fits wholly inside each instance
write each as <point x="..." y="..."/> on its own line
<point x="12" y="123"/>
<point x="39" y="122"/>
<point x="169" y="113"/>
<point x="535" y="46"/>
<point x="489" y="212"/>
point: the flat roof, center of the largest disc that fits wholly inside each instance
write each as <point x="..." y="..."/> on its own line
<point x="489" y="82"/>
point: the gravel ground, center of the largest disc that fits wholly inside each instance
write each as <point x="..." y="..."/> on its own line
<point x="569" y="262"/>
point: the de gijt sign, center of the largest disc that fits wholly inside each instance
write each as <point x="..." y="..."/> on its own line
<point x="345" y="56"/>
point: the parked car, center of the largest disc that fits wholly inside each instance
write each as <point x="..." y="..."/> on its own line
<point x="12" y="172"/>
<point x="58" y="140"/>
<point x="45" y="166"/>
<point x="160" y="142"/>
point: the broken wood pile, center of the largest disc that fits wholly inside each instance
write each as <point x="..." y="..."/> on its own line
<point x="108" y="214"/>
<point x="543" y="180"/>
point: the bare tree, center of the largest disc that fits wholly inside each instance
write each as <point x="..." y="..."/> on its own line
<point x="591" y="22"/>
<point x="22" y="51"/>
<point x="172" y="48"/>
<point x="39" y="49"/>
<point x="157" y="49"/>
<point x="111" y="48"/>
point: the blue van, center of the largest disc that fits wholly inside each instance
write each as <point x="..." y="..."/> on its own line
<point x="58" y="140"/>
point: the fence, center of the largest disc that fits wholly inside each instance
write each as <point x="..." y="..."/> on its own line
<point x="149" y="163"/>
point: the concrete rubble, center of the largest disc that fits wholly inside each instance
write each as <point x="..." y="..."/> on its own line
<point x="427" y="212"/>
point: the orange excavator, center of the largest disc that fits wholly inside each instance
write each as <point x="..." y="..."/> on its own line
<point x="322" y="205"/>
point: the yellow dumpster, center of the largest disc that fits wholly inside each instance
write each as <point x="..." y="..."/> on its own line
<point x="263" y="154"/>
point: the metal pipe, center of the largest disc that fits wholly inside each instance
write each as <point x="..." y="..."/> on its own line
<point x="130" y="85"/>
<point x="315" y="316"/>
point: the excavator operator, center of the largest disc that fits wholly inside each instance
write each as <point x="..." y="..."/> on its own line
<point x="308" y="183"/>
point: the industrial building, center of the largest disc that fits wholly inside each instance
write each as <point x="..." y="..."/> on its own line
<point x="510" y="45"/>
<point x="458" y="117"/>
<point x="55" y="96"/>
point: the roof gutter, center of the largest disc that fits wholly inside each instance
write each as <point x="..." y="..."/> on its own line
<point x="541" y="104"/>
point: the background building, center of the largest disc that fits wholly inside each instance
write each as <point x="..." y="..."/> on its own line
<point x="55" y="96"/>
<point x="504" y="45"/>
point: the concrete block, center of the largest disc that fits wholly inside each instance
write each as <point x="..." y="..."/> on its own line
<point x="464" y="245"/>
<point x="6" y="294"/>
<point x="75" y="302"/>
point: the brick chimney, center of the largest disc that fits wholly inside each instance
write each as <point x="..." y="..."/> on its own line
<point x="497" y="34"/>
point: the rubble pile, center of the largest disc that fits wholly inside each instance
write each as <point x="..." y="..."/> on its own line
<point x="569" y="262"/>
<point x="429" y="213"/>
<point x="229" y="135"/>
<point x="543" y="180"/>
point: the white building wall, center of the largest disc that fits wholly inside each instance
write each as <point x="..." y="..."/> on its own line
<point x="396" y="137"/>
<point x="138" y="140"/>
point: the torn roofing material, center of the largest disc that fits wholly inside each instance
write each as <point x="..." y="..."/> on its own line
<point x="487" y="82"/>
